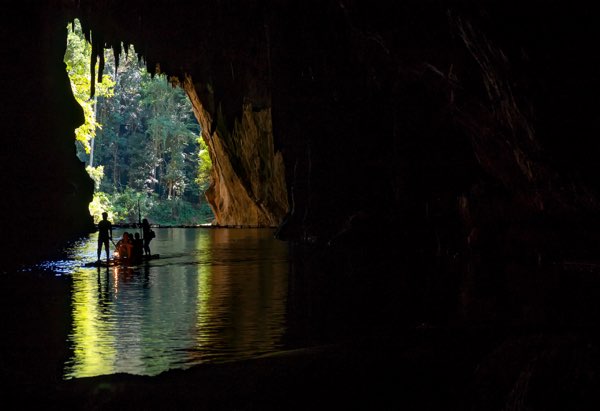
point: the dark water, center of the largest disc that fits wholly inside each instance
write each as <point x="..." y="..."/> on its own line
<point x="213" y="295"/>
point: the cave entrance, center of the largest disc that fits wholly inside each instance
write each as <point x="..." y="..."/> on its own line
<point x="140" y="142"/>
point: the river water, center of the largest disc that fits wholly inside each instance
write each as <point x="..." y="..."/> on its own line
<point x="214" y="295"/>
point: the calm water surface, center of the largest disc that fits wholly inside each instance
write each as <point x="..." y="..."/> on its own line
<point x="213" y="295"/>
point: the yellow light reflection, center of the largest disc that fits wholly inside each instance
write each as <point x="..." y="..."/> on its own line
<point x="204" y="288"/>
<point x="240" y="307"/>
<point x="116" y="281"/>
<point x="93" y="340"/>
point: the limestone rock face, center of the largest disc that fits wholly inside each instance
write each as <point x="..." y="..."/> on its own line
<point x="248" y="176"/>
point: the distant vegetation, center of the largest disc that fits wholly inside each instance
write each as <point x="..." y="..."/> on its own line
<point x="140" y="141"/>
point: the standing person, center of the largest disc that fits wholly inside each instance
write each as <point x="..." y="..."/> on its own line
<point x="138" y="248"/>
<point x="104" y="234"/>
<point x="148" y="235"/>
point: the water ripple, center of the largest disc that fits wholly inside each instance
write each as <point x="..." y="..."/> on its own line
<point x="214" y="295"/>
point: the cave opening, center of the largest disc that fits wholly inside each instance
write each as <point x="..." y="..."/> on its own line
<point x="484" y="258"/>
<point x="140" y="142"/>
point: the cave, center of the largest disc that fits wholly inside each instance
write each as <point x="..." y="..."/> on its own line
<point x="443" y="154"/>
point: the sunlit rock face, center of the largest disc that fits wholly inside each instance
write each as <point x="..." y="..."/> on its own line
<point x="248" y="176"/>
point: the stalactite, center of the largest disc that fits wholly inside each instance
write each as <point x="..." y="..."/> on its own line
<point x="101" y="64"/>
<point x="116" y="47"/>
<point x="85" y="28"/>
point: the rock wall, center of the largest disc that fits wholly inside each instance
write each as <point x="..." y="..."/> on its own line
<point x="45" y="188"/>
<point x="247" y="179"/>
<point x="439" y="120"/>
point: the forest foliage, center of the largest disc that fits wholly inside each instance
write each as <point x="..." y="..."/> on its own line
<point x="141" y="142"/>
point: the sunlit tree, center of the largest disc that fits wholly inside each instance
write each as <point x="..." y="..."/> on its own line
<point x="204" y="167"/>
<point x="172" y="133"/>
<point x="77" y="59"/>
<point x="140" y="137"/>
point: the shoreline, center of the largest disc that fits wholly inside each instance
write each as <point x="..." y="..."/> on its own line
<point x="209" y="226"/>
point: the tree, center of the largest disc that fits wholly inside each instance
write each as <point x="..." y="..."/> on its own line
<point x="172" y="132"/>
<point x="204" y="167"/>
<point x="77" y="58"/>
<point x="122" y="116"/>
<point x="100" y="201"/>
<point x="141" y="133"/>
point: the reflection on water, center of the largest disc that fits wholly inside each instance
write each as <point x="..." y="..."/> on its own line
<point x="214" y="295"/>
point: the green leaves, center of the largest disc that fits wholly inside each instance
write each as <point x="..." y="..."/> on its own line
<point x="172" y="135"/>
<point x="96" y="173"/>
<point x="77" y="57"/>
<point x="141" y="135"/>
<point x="204" y="166"/>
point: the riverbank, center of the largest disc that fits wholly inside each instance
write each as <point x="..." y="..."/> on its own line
<point x="426" y="369"/>
<point x="372" y="373"/>
<point x="208" y="225"/>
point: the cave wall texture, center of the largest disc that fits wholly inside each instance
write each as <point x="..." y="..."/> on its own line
<point x="45" y="188"/>
<point x="431" y="126"/>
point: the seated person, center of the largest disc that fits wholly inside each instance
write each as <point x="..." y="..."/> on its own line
<point x="124" y="246"/>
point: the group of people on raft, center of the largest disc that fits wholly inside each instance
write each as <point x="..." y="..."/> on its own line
<point x="130" y="247"/>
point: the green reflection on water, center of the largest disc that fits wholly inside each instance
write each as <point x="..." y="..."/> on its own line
<point x="214" y="295"/>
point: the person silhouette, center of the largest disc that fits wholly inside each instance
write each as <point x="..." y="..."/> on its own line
<point x="104" y="234"/>
<point x="138" y="247"/>
<point x="148" y="235"/>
